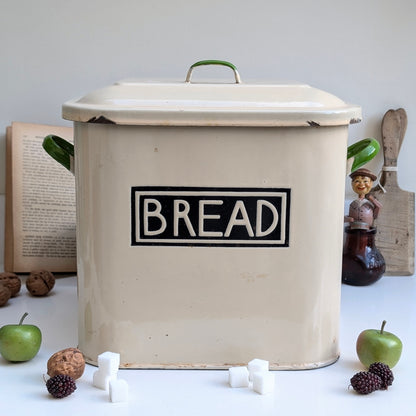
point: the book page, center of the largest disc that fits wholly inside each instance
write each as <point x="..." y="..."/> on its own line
<point x="43" y="203"/>
<point x="8" y="227"/>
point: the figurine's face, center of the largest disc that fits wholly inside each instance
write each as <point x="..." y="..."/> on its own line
<point x="362" y="185"/>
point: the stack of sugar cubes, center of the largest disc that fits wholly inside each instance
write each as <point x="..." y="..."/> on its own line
<point x="257" y="372"/>
<point x="105" y="377"/>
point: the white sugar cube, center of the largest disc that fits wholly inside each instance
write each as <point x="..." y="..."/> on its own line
<point x="257" y="365"/>
<point x="119" y="391"/>
<point x="108" y="362"/>
<point x="263" y="382"/>
<point x="102" y="380"/>
<point x="238" y="377"/>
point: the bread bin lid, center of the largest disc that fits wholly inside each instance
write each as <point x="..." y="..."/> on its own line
<point x="186" y="103"/>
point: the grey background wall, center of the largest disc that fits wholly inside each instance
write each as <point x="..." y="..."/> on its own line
<point x="360" y="50"/>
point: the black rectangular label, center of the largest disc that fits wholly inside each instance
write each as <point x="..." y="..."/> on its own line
<point x="238" y="217"/>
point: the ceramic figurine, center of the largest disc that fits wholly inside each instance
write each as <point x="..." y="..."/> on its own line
<point x="363" y="211"/>
<point x="363" y="263"/>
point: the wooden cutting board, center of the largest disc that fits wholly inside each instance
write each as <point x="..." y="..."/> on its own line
<point x="395" y="224"/>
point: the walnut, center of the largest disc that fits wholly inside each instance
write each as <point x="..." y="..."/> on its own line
<point x="40" y="283"/>
<point x="12" y="281"/>
<point x="69" y="361"/>
<point x="4" y="294"/>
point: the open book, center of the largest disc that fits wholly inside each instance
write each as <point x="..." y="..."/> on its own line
<point x="40" y="203"/>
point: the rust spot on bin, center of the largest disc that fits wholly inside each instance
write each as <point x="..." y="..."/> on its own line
<point x="101" y="120"/>
<point x="313" y="124"/>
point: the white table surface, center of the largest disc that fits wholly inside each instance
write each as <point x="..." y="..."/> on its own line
<point x="204" y="392"/>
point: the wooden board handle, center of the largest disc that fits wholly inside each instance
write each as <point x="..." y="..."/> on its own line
<point x="393" y="128"/>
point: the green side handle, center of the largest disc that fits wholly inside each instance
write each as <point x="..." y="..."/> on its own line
<point x="60" y="150"/>
<point x="362" y="152"/>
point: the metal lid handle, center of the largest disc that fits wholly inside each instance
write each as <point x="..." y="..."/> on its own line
<point x="213" y="62"/>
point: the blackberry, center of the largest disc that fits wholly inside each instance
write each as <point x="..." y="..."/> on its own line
<point x="384" y="372"/>
<point x="365" y="382"/>
<point x="61" y="386"/>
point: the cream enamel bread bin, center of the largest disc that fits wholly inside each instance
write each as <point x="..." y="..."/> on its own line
<point x="210" y="222"/>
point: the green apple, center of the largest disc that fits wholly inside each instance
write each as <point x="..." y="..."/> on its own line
<point x="20" y="342"/>
<point x="377" y="345"/>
